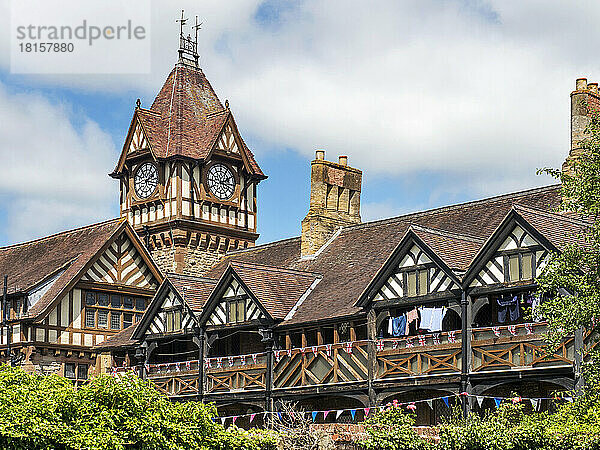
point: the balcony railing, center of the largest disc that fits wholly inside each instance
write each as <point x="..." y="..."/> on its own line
<point x="505" y="348"/>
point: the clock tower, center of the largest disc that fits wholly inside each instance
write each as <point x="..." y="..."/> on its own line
<point x="187" y="179"/>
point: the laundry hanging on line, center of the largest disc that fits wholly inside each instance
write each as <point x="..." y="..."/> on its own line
<point x="508" y="308"/>
<point x="431" y="318"/>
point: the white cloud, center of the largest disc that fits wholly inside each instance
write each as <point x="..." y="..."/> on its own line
<point x="473" y="89"/>
<point x="53" y="173"/>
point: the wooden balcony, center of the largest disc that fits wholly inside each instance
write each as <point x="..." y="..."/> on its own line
<point x="492" y="350"/>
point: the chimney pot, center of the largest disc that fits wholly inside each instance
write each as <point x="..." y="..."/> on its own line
<point x="581" y="84"/>
<point x="593" y="87"/>
<point x="343" y="160"/>
<point x="320" y="154"/>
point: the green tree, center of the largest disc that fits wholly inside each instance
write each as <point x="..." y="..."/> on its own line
<point x="47" y="412"/>
<point x="571" y="280"/>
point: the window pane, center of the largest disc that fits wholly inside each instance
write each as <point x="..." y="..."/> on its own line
<point x="241" y="309"/>
<point x="140" y="304"/>
<point x="127" y="320"/>
<point x="90" y="298"/>
<point x="103" y="299"/>
<point x="513" y="268"/>
<point x="169" y="321"/>
<point x="527" y="266"/>
<point x="82" y="372"/>
<point x="128" y="302"/>
<point x="115" y="320"/>
<point x="411" y="281"/>
<point x="69" y="370"/>
<point x="102" y="319"/>
<point x="232" y="312"/>
<point x="115" y="301"/>
<point x="423" y="282"/>
<point x="90" y="318"/>
<point x="176" y="320"/>
<point x="138" y="317"/>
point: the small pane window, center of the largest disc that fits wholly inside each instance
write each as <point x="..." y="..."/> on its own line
<point x="115" y="301"/>
<point x="241" y="310"/>
<point x="69" y="370"/>
<point x="128" y="302"/>
<point x="411" y="284"/>
<point x="103" y="299"/>
<point x="138" y="317"/>
<point x="169" y="315"/>
<point x="82" y="371"/>
<point x="102" y="319"/>
<point x="90" y="318"/>
<point x="513" y="268"/>
<point x="90" y="298"/>
<point x="140" y="304"/>
<point x="127" y="320"/>
<point x="527" y="260"/>
<point x="423" y="282"/>
<point x="115" y="320"/>
<point x="176" y="320"/>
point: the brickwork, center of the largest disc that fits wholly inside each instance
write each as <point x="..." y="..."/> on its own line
<point x="585" y="100"/>
<point x="334" y="201"/>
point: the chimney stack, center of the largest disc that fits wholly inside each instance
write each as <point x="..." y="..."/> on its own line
<point x="585" y="100"/>
<point x="334" y="201"/>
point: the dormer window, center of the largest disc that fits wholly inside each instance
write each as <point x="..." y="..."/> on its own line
<point x="519" y="266"/>
<point x="173" y="320"/>
<point x="416" y="282"/>
<point x="236" y="310"/>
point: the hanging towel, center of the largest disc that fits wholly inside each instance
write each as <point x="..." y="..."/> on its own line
<point x="426" y="317"/>
<point x="536" y="313"/>
<point x="437" y="315"/>
<point x="391" y="319"/>
<point x="411" y="316"/>
<point x="399" y="326"/>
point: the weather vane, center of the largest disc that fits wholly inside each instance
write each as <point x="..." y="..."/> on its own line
<point x="188" y="48"/>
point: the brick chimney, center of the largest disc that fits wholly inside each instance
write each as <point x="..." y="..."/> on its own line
<point x="334" y="201"/>
<point x="585" y="100"/>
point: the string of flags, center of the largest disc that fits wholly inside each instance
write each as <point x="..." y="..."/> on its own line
<point x="409" y="342"/>
<point x="410" y="406"/>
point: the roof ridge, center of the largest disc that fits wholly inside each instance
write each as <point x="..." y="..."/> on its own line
<point x="261" y="246"/>
<point x="279" y="269"/>
<point x="451" y="207"/>
<point x="191" y="277"/>
<point x="551" y="214"/>
<point x="464" y="237"/>
<point x="65" y="232"/>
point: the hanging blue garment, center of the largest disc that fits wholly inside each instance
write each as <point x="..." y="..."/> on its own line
<point x="508" y="305"/>
<point x="399" y="325"/>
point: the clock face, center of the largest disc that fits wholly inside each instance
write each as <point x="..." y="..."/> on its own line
<point x="145" y="180"/>
<point x="220" y="181"/>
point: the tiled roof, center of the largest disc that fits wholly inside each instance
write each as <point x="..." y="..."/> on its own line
<point x="120" y="339"/>
<point x="194" y="290"/>
<point x="353" y="258"/>
<point x="277" y="289"/>
<point x="187" y="117"/>
<point x="559" y="229"/>
<point x="31" y="263"/>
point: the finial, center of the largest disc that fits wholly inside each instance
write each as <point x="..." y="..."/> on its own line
<point x="188" y="48"/>
<point x="138" y="103"/>
<point x="227" y="104"/>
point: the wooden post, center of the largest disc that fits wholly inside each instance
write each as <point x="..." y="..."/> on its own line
<point x="269" y="344"/>
<point x="466" y="349"/>
<point x="303" y="356"/>
<point x="578" y="362"/>
<point x="372" y="354"/>
<point x="200" y="340"/>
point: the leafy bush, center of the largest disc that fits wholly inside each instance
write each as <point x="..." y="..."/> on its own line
<point x="47" y="412"/>
<point x="392" y="429"/>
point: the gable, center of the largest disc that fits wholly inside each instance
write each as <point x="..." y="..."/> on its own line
<point x="227" y="141"/>
<point x="171" y="315"/>
<point x="497" y="268"/>
<point x="121" y="263"/>
<point x="235" y="296"/>
<point x="138" y="139"/>
<point x="414" y="261"/>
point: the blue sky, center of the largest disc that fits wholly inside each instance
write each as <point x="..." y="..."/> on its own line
<point x="437" y="103"/>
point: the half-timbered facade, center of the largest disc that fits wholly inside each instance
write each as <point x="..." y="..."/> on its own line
<point x="71" y="291"/>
